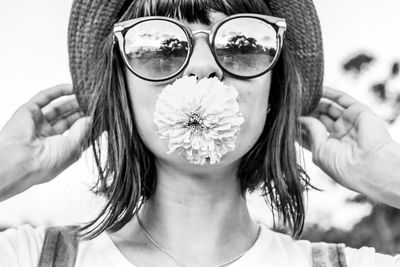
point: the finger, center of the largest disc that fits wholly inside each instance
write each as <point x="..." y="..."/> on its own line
<point x="44" y="97"/>
<point x="25" y="113"/>
<point x="329" y="108"/>
<point x="317" y="133"/>
<point x="337" y="129"/>
<point x="60" y="109"/>
<point x="352" y="114"/>
<point x="304" y="139"/>
<point x="339" y="97"/>
<point x="327" y="121"/>
<point x="65" y="123"/>
<point x="80" y="130"/>
<point x="349" y="122"/>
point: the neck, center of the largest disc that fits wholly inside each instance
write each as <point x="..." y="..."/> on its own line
<point x="199" y="213"/>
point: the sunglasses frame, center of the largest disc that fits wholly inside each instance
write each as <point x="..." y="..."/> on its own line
<point x="120" y="29"/>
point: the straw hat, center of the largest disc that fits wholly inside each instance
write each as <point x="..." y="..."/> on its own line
<point x="92" y="20"/>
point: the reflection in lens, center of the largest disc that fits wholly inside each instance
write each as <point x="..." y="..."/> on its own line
<point x="156" y="49"/>
<point x="245" y="46"/>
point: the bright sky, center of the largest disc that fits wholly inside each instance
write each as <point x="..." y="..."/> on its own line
<point x="33" y="56"/>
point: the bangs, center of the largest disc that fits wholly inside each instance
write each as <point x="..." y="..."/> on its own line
<point x="193" y="10"/>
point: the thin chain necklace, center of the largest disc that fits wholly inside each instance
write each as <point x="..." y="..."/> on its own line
<point x="183" y="265"/>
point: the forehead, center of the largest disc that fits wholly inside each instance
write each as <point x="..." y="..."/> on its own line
<point x="213" y="18"/>
<point x="216" y="16"/>
<point x="193" y="11"/>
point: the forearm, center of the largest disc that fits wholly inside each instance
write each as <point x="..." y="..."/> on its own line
<point x="382" y="181"/>
<point x="16" y="168"/>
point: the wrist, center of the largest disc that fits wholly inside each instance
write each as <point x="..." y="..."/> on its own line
<point x="382" y="175"/>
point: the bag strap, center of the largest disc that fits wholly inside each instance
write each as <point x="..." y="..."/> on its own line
<point x="328" y="255"/>
<point x="60" y="247"/>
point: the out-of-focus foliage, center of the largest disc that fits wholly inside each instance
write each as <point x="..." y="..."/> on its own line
<point x="385" y="90"/>
<point x="380" y="230"/>
<point x="358" y="63"/>
<point x="388" y="92"/>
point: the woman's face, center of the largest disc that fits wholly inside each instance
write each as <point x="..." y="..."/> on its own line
<point x="252" y="99"/>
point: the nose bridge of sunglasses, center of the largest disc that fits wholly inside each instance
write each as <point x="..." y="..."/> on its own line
<point x="202" y="63"/>
<point x="202" y="37"/>
<point x="201" y="31"/>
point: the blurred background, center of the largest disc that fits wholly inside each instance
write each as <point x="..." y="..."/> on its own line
<point x="362" y="53"/>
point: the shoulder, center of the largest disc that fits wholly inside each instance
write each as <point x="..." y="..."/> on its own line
<point x="290" y="244"/>
<point x="282" y="250"/>
<point x="306" y="253"/>
<point x="101" y="251"/>
<point x="368" y="257"/>
<point x="21" y="246"/>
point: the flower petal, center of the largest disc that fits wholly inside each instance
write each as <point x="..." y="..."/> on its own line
<point x="200" y="120"/>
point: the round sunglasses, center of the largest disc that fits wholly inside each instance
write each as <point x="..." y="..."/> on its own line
<point x="157" y="48"/>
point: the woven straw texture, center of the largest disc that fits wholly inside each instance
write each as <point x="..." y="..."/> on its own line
<point x="92" y="20"/>
<point x="304" y="40"/>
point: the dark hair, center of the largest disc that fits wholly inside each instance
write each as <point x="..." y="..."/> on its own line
<point x="126" y="171"/>
<point x="272" y="165"/>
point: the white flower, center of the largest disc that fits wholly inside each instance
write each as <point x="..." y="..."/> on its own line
<point x="199" y="119"/>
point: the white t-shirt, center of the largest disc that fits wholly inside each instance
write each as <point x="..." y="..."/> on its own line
<point x="22" y="247"/>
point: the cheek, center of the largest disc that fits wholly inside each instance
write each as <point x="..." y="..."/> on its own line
<point x="253" y="102"/>
<point x="143" y="106"/>
<point x="143" y="99"/>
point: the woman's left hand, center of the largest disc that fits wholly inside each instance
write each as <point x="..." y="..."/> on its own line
<point x="352" y="145"/>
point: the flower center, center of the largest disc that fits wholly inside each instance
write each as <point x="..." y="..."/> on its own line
<point x="195" y="123"/>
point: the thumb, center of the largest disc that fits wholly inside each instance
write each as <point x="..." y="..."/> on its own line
<point x="316" y="131"/>
<point x="79" y="131"/>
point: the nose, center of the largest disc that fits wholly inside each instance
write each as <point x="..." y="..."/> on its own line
<point x="202" y="63"/>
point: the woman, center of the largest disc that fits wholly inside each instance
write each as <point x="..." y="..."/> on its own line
<point x="184" y="126"/>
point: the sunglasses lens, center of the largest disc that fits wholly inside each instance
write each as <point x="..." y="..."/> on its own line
<point x="156" y="49"/>
<point x="246" y="46"/>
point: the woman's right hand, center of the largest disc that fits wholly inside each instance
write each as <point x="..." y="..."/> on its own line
<point x="33" y="149"/>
